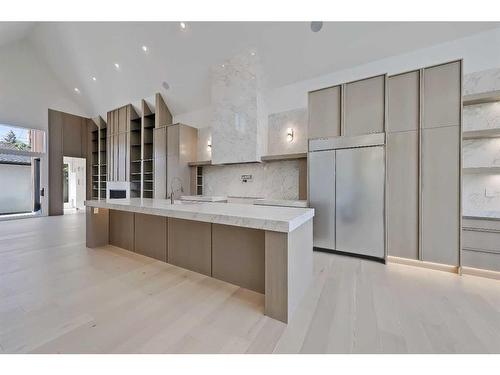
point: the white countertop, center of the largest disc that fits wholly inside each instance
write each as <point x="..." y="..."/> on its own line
<point x="281" y="202"/>
<point x="277" y="219"/>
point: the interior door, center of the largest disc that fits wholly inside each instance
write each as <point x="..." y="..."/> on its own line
<point x="322" y="197"/>
<point x="359" y="197"/>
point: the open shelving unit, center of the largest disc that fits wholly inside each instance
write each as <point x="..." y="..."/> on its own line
<point x="135" y="154"/>
<point x="98" y="159"/>
<point x="148" y="124"/>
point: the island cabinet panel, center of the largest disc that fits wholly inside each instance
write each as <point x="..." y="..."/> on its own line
<point x="189" y="245"/>
<point x="150" y="236"/>
<point x="121" y="229"/>
<point x="238" y="256"/>
<point x="324" y="113"/>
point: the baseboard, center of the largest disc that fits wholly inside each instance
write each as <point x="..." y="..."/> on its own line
<point x="423" y="264"/>
<point x="361" y="256"/>
<point x="481" y="273"/>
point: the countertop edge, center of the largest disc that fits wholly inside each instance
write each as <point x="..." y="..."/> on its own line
<point x="273" y="225"/>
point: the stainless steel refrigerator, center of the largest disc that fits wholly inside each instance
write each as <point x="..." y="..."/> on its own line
<point x="347" y="191"/>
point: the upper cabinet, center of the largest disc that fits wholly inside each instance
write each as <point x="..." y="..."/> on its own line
<point x="324" y="113"/>
<point x="364" y="106"/>
<point x="442" y="95"/>
<point x="403" y="95"/>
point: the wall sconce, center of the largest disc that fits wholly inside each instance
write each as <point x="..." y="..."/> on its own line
<point x="209" y="145"/>
<point x="289" y="134"/>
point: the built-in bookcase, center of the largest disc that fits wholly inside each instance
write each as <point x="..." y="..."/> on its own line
<point x="147" y="161"/>
<point x="98" y="159"/>
<point x="135" y="154"/>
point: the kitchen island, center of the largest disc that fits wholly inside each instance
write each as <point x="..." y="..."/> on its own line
<point x="263" y="248"/>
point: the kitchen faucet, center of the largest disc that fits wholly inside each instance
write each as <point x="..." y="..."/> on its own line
<point x="172" y="188"/>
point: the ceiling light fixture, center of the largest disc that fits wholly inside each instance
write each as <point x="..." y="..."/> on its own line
<point x="77" y="90"/>
<point x="117" y="66"/>
<point x="183" y="25"/>
<point x="252" y="53"/>
<point x="145" y="48"/>
<point x="316" y="26"/>
<point x="94" y="79"/>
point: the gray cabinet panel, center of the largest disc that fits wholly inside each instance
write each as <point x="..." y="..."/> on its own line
<point x="238" y="256"/>
<point x="365" y="106"/>
<point x="403" y="102"/>
<point x="122" y="156"/>
<point x="481" y="260"/>
<point x="121" y="229"/>
<point x="322" y="197"/>
<point x="324" y="113"/>
<point x="442" y="95"/>
<point x="190" y="245"/>
<point x="72" y="138"/>
<point x="160" y="162"/>
<point x="150" y="237"/>
<point x="440" y="195"/>
<point x="402" y="194"/>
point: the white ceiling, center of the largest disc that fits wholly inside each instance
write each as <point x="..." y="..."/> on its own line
<point x="289" y="51"/>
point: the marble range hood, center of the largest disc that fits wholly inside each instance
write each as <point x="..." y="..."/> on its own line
<point x="239" y="116"/>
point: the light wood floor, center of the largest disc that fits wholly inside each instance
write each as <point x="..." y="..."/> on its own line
<point x="57" y="296"/>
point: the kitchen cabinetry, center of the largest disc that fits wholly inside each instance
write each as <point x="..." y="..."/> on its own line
<point x="324" y="113"/>
<point x="119" y="143"/>
<point x="364" y="106"/>
<point x="403" y="92"/>
<point x="441" y="195"/>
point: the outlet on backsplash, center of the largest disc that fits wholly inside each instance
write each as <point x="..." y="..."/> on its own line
<point x="246" y="178"/>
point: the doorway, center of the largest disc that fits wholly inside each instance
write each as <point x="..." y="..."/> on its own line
<point x="74" y="184"/>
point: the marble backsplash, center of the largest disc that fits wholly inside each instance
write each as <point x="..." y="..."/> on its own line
<point x="481" y="192"/>
<point x="276" y="180"/>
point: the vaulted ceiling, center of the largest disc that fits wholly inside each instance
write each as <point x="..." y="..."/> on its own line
<point x="289" y="51"/>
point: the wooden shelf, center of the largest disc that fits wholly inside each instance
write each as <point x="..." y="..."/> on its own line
<point x="479" y="134"/>
<point x="302" y="155"/>
<point x="482" y="170"/>
<point x="484" y="97"/>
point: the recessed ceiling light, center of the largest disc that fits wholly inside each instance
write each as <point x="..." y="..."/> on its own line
<point x="183" y="25"/>
<point x="117" y="66"/>
<point x="94" y="79"/>
<point x="223" y="65"/>
<point x="316" y="26"/>
<point x="77" y="90"/>
<point x="252" y="53"/>
<point x="145" y="48"/>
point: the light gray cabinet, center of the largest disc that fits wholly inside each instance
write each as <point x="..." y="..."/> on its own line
<point x="324" y="113"/>
<point x="322" y="197"/>
<point x="181" y="149"/>
<point x="403" y="93"/>
<point x="364" y="106"/>
<point x="160" y="162"/>
<point x="442" y="95"/>
<point x="441" y="194"/>
<point x="402" y="194"/>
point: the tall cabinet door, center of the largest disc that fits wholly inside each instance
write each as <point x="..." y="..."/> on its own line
<point x="402" y="153"/>
<point x="322" y="197"/>
<point x="324" y="113"/>
<point x="160" y="162"/>
<point x="402" y="194"/>
<point x="441" y="195"/>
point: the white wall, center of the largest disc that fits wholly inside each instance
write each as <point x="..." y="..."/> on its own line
<point x="16" y="192"/>
<point x="479" y="52"/>
<point x="27" y="89"/>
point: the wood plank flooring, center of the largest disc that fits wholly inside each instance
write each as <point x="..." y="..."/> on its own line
<point x="57" y="296"/>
